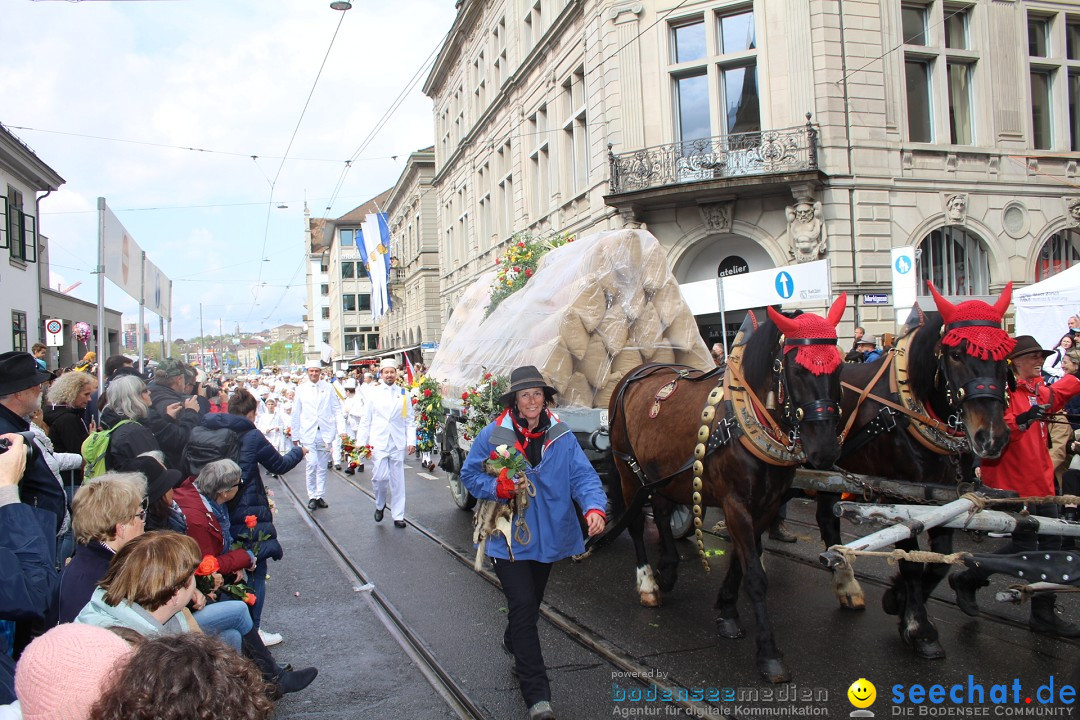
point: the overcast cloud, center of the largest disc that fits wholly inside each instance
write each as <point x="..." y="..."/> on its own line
<point x="225" y="75"/>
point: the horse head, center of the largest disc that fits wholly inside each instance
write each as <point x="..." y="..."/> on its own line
<point x="971" y="359"/>
<point x="809" y="380"/>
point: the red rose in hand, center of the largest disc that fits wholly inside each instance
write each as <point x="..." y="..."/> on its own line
<point x="494" y="455"/>
<point x="249" y="598"/>
<point x="251" y="521"/>
<point x="208" y="566"/>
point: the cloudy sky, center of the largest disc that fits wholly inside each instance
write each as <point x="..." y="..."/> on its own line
<point x="146" y="78"/>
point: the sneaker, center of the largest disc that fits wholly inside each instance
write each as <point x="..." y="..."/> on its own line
<point x="322" y="503"/>
<point x="312" y="504"/>
<point x="269" y="639"/>
<point x="541" y="711"/>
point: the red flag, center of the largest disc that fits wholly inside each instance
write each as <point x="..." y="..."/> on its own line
<point x="408" y="368"/>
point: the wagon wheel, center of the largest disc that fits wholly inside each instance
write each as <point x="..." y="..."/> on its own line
<point x="682" y="521"/>
<point x="462" y="498"/>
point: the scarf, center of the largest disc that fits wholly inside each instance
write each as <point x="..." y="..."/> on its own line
<point x="533" y="451"/>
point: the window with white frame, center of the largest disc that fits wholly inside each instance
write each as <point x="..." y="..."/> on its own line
<point x="1060" y="252"/>
<point x="18" y="331"/>
<point x="713" y="65"/>
<point x="534" y="21"/>
<point x="483" y="207"/>
<point x="575" y="134"/>
<point x="505" y="173"/>
<point x="539" y="164"/>
<point x="498" y="36"/>
<point x="955" y="260"/>
<point x="462" y="224"/>
<point x="940" y="63"/>
<point x="479" y="85"/>
<point x="21" y="228"/>
<point x="1054" y="80"/>
<point x="448" y="213"/>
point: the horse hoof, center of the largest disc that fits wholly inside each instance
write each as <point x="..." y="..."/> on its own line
<point x="852" y="602"/>
<point x="773" y="671"/>
<point x="651" y="599"/>
<point x="928" y="649"/>
<point x="729" y="628"/>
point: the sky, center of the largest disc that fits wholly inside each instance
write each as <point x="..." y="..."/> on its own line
<point x="230" y="78"/>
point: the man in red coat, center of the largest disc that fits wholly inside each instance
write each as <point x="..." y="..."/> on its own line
<point x="1025" y="467"/>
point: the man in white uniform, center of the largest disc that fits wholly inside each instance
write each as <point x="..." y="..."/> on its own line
<point x="316" y="422"/>
<point x="389" y="426"/>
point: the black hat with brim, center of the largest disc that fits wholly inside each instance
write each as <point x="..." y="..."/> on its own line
<point x="1027" y="345"/>
<point x="19" y="371"/>
<point x="526" y="377"/>
<point x="159" y="479"/>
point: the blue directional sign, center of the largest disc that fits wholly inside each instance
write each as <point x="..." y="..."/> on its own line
<point x="903" y="264"/>
<point x="785" y="286"/>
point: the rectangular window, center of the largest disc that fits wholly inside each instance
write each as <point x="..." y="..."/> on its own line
<point x="353" y="343"/>
<point x="960" y="120"/>
<point x="1072" y="40"/>
<point x="956" y="28"/>
<point x="692" y="103"/>
<point x="920" y="127"/>
<point x="361" y="269"/>
<point x="372" y="342"/>
<point x="1041" y="134"/>
<point x="347" y="236"/>
<point x="741" y="95"/>
<point x="575" y="134"/>
<point x="348" y="270"/>
<point x="1074" y="111"/>
<point x="326" y="337"/>
<point x="689" y="41"/>
<point x="540" y="166"/>
<point x="325" y="313"/>
<point x="913" y="24"/>
<point x="324" y="290"/>
<point x="1038" y="32"/>
<point x="737" y="33"/>
<point x="3" y="221"/>
<point x="348" y="302"/>
<point x="365" y="301"/>
<point x="18" y="331"/>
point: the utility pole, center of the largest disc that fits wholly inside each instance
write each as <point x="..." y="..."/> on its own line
<point x="202" y="358"/>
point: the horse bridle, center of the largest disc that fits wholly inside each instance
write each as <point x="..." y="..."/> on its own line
<point x="987" y="388"/>
<point x="813" y="411"/>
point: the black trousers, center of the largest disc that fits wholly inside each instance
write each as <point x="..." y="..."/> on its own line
<point x="523" y="582"/>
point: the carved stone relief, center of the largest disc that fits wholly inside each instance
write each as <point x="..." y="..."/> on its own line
<point x="956" y="205"/>
<point x="806" y="230"/>
<point x="1072" y="211"/>
<point x="718" y="217"/>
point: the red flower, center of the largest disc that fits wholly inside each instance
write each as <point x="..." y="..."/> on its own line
<point x="494" y="455"/>
<point x="208" y="566"/>
<point x="528" y="273"/>
<point x="487" y="376"/>
<point x="517" y="269"/>
<point x="249" y="598"/>
<point x="427" y="392"/>
<point x="423" y="418"/>
<point x="497" y="261"/>
<point x="251" y="521"/>
<point x="521" y="244"/>
<point x="465" y="396"/>
<point x="415" y="400"/>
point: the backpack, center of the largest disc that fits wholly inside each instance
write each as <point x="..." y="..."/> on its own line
<point x="205" y="445"/>
<point x="94" y="448"/>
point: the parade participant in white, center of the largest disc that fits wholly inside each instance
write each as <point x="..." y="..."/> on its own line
<point x="389" y="426"/>
<point x="316" y="421"/>
<point x="353" y="409"/>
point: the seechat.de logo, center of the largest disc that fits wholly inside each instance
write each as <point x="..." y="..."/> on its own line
<point x="785" y="286"/>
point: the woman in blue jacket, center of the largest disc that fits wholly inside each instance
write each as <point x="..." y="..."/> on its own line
<point x="255" y="450"/>
<point x="561" y="475"/>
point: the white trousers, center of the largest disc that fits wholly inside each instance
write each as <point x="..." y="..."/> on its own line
<point x="388" y="471"/>
<point x="337" y="450"/>
<point x="315" y="467"/>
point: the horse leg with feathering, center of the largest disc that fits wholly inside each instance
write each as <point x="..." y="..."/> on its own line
<point x="948" y="371"/>
<point x="680" y="438"/>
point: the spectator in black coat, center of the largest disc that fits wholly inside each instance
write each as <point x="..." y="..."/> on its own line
<point x="255" y="450"/>
<point x="64" y="410"/>
<point x="128" y="400"/>
<point x="175" y="413"/>
<point x="21" y="387"/>
<point x="28" y="577"/>
<point x="108" y="511"/>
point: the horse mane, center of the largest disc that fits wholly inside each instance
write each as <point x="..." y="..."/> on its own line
<point x="761" y="348"/>
<point x="922" y="360"/>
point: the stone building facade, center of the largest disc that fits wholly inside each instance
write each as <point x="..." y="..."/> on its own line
<point x="747" y="135"/>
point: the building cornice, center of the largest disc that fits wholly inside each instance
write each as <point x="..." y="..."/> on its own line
<point x="25" y="164"/>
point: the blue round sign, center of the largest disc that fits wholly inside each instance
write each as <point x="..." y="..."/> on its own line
<point x="903" y="264"/>
<point x="785" y="286"/>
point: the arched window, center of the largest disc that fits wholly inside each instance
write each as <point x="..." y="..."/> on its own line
<point x="955" y="260"/>
<point x="1060" y="252"/>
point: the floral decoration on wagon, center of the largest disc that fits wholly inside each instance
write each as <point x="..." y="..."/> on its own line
<point x="481" y="403"/>
<point x="429" y="412"/>
<point x="355" y="453"/>
<point x="206" y="583"/>
<point x="518" y="263"/>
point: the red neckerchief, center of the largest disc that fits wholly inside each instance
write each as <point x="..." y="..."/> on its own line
<point x="529" y="436"/>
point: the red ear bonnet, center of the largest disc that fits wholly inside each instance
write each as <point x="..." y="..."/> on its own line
<point x="819" y="358"/>
<point x="976" y="324"/>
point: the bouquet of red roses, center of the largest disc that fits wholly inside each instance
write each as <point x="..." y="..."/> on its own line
<point x="208" y="581"/>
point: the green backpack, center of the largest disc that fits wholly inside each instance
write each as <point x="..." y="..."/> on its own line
<point x="94" y="448"/>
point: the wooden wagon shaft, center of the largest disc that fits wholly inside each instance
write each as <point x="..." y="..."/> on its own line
<point x="986" y="521"/>
<point x="934" y="517"/>
<point x="837" y="482"/>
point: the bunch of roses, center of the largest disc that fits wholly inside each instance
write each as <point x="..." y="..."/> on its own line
<point x="206" y="583"/>
<point x="482" y="403"/>
<point x="429" y="412"/>
<point x="518" y="263"/>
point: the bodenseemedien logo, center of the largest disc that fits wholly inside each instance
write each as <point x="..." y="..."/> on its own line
<point x="862" y="694"/>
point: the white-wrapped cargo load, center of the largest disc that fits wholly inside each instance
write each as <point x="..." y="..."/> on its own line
<point x="594" y="309"/>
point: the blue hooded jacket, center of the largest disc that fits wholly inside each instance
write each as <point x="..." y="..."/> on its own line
<point x="255" y="450"/>
<point x="563" y="477"/>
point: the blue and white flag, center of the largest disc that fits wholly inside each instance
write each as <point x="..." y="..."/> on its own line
<point x="376" y="234"/>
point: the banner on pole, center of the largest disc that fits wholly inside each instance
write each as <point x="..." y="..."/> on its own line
<point x="804" y="282"/>
<point x="122" y="255"/>
<point x="158" y="291"/>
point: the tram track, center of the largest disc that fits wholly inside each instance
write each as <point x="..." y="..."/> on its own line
<point x="633" y="669"/>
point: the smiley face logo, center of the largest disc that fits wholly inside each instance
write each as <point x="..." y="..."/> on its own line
<point x="862" y="693"/>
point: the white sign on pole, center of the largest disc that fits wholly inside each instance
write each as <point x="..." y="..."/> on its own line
<point x="123" y="255"/>
<point x="54" y="332"/>
<point x="904" y="282"/>
<point x="158" y="291"/>
<point x="804" y="282"/>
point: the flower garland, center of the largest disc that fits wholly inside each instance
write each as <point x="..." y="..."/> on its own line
<point x="482" y="403"/>
<point x="518" y="263"/>
<point x="429" y="412"/>
<point x="354" y="454"/>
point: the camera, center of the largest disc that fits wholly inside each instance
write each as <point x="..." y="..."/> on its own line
<point x="28" y="445"/>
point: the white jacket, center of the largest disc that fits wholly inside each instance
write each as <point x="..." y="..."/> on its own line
<point x="388" y="423"/>
<point x="316" y="414"/>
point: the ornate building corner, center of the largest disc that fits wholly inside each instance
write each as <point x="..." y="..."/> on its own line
<point x="1072" y="210"/>
<point x="806" y="230"/>
<point x="630" y="218"/>
<point x="718" y="216"/>
<point x="955" y="206"/>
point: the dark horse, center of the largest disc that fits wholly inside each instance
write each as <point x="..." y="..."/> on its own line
<point x="661" y="416"/>
<point x="951" y="364"/>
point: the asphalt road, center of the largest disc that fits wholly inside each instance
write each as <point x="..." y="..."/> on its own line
<point x="460" y="617"/>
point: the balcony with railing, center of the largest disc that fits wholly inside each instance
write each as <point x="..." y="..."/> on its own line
<point x="728" y="158"/>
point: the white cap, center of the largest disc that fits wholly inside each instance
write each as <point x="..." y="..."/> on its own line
<point x="388" y="363"/>
<point x="313" y="363"/>
<point x="340" y="373"/>
<point x="350" y="383"/>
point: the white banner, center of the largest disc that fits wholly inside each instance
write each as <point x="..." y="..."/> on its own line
<point x="804" y="282"/>
<point x="157" y="289"/>
<point x="123" y="256"/>
<point x="905" y="284"/>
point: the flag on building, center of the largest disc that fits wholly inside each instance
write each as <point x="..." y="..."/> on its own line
<point x="376" y="234"/>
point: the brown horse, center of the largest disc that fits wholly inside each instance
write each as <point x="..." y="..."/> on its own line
<point x="677" y="437"/>
<point x="948" y="366"/>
